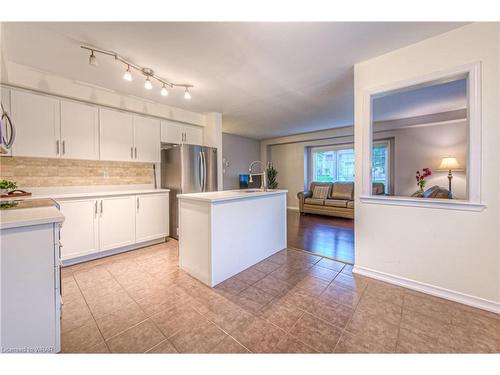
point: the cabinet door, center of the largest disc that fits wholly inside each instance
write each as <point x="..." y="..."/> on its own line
<point x="193" y="135"/>
<point x="147" y="139"/>
<point x="79" y="131"/>
<point x="79" y="232"/>
<point x="171" y="132"/>
<point x="116" y="222"/>
<point x="37" y="122"/>
<point x="151" y="217"/>
<point x="5" y="100"/>
<point x="117" y="135"/>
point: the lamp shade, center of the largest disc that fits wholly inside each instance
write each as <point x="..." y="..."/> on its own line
<point x="449" y="164"/>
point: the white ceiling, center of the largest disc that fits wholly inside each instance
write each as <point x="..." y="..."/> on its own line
<point x="437" y="98"/>
<point x="267" y="79"/>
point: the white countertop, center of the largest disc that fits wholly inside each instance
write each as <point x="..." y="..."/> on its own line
<point x="227" y="195"/>
<point x="29" y="216"/>
<point x="70" y="192"/>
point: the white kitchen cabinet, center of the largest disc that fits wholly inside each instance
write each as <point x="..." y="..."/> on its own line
<point x="79" y="131"/>
<point x="30" y="289"/>
<point x="117" y="135"/>
<point x="146" y="139"/>
<point x="171" y="132"/>
<point x="116" y="222"/>
<point x="37" y="121"/>
<point x="151" y="217"/>
<point x="79" y="233"/>
<point x="5" y="100"/>
<point x="176" y="132"/>
<point x="193" y="135"/>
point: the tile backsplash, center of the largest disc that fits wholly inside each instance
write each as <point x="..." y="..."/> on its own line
<point x="41" y="172"/>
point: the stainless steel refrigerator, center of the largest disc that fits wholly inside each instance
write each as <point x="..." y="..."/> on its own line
<point x="187" y="169"/>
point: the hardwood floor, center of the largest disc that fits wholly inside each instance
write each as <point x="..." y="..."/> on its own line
<point x="323" y="235"/>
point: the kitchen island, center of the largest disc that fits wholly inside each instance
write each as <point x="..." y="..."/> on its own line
<point x="222" y="233"/>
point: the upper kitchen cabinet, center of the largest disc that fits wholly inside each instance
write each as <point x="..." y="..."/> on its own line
<point x="6" y="129"/>
<point x="146" y="139"/>
<point x="178" y="133"/>
<point x="117" y="135"/>
<point x="37" y="122"/>
<point x="79" y="131"/>
<point x="171" y="132"/>
<point x="193" y="135"/>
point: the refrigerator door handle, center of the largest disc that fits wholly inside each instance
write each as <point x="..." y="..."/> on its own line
<point x="204" y="171"/>
<point x="200" y="169"/>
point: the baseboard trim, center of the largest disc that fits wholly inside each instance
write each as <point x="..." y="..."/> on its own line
<point x="106" y="253"/>
<point x="436" y="291"/>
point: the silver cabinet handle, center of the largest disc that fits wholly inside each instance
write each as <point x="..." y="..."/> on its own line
<point x="101" y="208"/>
<point x="57" y="147"/>
<point x="135" y="151"/>
<point x="137" y="204"/>
<point x="131" y="152"/>
<point x="63" y="147"/>
<point x="95" y="208"/>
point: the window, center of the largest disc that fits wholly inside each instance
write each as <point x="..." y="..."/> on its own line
<point x="381" y="169"/>
<point x="336" y="163"/>
<point x="332" y="163"/>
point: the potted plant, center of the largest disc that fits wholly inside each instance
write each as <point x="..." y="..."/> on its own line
<point x="272" y="173"/>
<point x="6" y="185"/>
<point x="421" y="176"/>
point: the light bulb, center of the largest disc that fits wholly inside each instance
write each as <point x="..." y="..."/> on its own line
<point x="187" y="95"/>
<point x="92" y="59"/>
<point x="164" y="91"/>
<point x="148" y="85"/>
<point x="128" y="75"/>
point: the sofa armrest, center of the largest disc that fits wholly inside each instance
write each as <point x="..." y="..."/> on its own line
<point x="302" y="195"/>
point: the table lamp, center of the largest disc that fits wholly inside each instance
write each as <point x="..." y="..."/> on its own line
<point x="449" y="163"/>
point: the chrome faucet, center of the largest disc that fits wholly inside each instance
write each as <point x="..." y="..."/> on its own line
<point x="263" y="179"/>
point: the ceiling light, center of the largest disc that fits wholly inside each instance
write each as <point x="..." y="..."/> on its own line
<point x="164" y="91"/>
<point x="92" y="59"/>
<point x="147" y="72"/>
<point x="128" y="75"/>
<point x="147" y="84"/>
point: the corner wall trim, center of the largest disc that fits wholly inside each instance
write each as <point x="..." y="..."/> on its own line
<point x="436" y="291"/>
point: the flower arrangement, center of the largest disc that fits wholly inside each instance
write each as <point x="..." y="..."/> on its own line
<point x="421" y="176"/>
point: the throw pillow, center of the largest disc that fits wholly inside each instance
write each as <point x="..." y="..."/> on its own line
<point x="320" y="192"/>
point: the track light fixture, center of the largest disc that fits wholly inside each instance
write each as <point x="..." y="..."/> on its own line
<point x="128" y="74"/>
<point x="149" y="73"/>
<point x="164" y="91"/>
<point x="92" y="59"/>
<point x="147" y="84"/>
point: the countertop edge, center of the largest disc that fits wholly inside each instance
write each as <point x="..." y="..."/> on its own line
<point x="62" y="196"/>
<point x="230" y="198"/>
<point x="27" y="217"/>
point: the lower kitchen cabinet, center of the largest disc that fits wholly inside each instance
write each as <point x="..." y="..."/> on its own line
<point x="79" y="233"/>
<point x="116" y="222"/>
<point x="99" y="224"/>
<point x="151" y="217"/>
<point x="30" y="291"/>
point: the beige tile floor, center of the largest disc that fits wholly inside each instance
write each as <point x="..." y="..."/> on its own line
<point x="292" y="302"/>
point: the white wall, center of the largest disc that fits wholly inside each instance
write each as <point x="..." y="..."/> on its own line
<point x="457" y="251"/>
<point x="239" y="152"/>
<point x="425" y="146"/>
